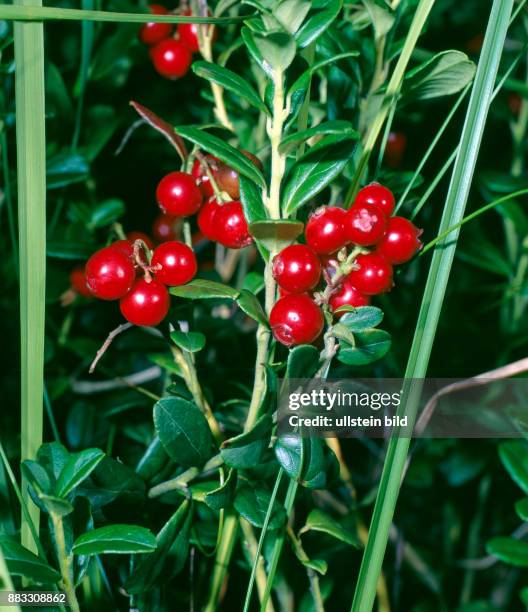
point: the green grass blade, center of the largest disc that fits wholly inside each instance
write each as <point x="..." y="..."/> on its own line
<point x="6" y="583"/>
<point x="433" y="297"/>
<point x="31" y="169"/>
<point x="37" y="12"/>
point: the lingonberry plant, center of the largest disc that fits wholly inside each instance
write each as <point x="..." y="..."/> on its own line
<point x="250" y="219"/>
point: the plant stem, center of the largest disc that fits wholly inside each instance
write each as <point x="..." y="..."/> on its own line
<point x="312" y="574"/>
<point x="186" y="363"/>
<point x="65" y="562"/>
<point x="31" y="164"/>
<point x="432" y="302"/>
<point x="258" y="572"/>
<point x="278" y="161"/>
<point x="279" y="542"/>
<point x="223" y="557"/>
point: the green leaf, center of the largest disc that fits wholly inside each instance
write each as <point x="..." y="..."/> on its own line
<point x="183" y="431"/>
<point x="65" y="169"/>
<point x="200" y="289"/>
<point x="370" y="345"/>
<point x="362" y="318"/>
<point x="56" y="505"/>
<point x="53" y="457"/>
<point x="22" y="562"/>
<point x="303" y="362"/>
<point x="521" y="507"/>
<point x="107" y="212"/>
<point x="304" y="459"/>
<point x="247" y="449"/>
<point x="335" y="128"/>
<point x="149" y="570"/>
<point x="444" y="74"/>
<point x="381" y="16"/>
<point x="251" y="198"/>
<point x="79" y="466"/>
<point x="192" y="342"/>
<point x="69" y="250"/>
<point x="252" y="503"/>
<point x="276" y="234"/>
<point x="273" y="51"/>
<point x="254" y="282"/>
<point x="291" y="13"/>
<point x="514" y="456"/>
<point x="509" y="550"/>
<point x="250" y="304"/>
<point x="115" y="539"/>
<point x="317" y="23"/>
<point x="224" y="151"/>
<point x="223" y="496"/>
<point x="36" y="476"/>
<point x="319" y="565"/>
<point x="321" y="521"/>
<point x="230" y="81"/>
<point x="314" y="171"/>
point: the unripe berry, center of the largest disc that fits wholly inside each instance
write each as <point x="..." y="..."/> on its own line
<point x="177" y="261"/>
<point x="401" y="242"/>
<point x="296" y="268"/>
<point x="227" y="178"/>
<point x="379" y="195"/>
<point x="147" y="303"/>
<point x="231" y="226"/>
<point x="365" y="224"/>
<point x="109" y="273"/>
<point x="296" y="319"/>
<point x="171" y="58"/>
<point x="178" y="194"/>
<point x="152" y="33"/>
<point x="373" y="276"/>
<point x="325" y="230"/>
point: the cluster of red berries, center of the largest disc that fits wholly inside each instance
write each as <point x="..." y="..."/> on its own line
<point x="129" y="271"/>
<point x="171" y="51"/>
<point x="379" y="241"/>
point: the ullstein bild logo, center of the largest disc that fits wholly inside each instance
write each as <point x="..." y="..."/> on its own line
<point x="433" y="408"/>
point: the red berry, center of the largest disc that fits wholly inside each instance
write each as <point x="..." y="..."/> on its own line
<point x="377" y="194"/>
<point x="201" y="177"/>
<point x="348" y="295"/>
<point x="296" y="268"/>
<point x="231" y="227"/>
<point x="325" y="230"/>
<point x="227" y="178"/>
<point x="109" y="273"/>
<point x="133" y="236"/>
<point x="124" y="246"/>
<point x="147" y="303"/>
<point x="188" y="33"/>
<point x="171" y="58"/>
<point x="365" y="224"/>
<point x="152" y="33"/>
<point x="296" y="319"/>
<point x="395" y="148"/>
<point x="206" y="217"/>
<point x="178" y="194"/>
<point x="177" y="261"/>
<point x="78" y="282"/>
<point x="165" y="228"/>
<point x="373" y="276"/>
<point x="401" y="241"/>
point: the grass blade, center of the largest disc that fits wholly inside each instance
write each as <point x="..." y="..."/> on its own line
<point x="31" y="167"/>
<point x="433" y="297"/>
<point x="37" y="12"/>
